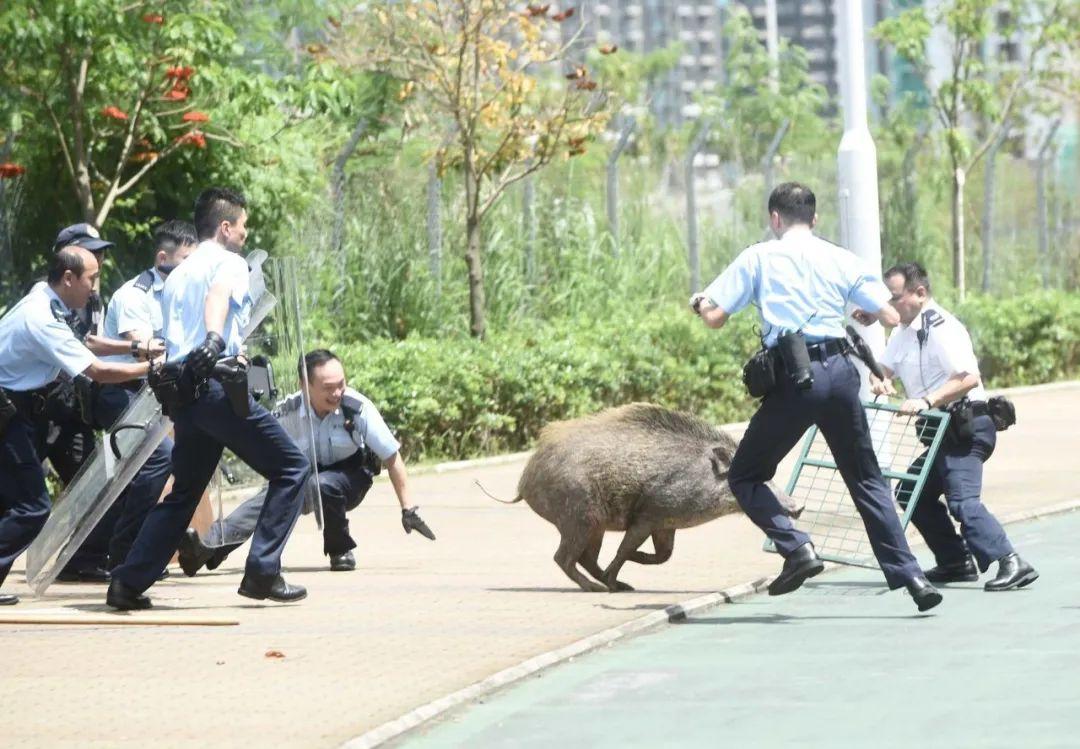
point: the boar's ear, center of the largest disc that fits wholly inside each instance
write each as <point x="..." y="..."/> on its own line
<point x="721" y="460"/>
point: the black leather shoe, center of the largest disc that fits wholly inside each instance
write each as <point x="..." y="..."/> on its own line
<point x="923" y="593"/>
<point x="343" y="562"/>
<point x="8" y="599"/>
<point x="192" y="554"/>
<point x="273" y="587"/>
<point x="1013" y="572"/>
<point x="85" y="575"/>
<point x="957" y="572"/>
<point x="125" y="598"/>
<point x="798" y="568"/>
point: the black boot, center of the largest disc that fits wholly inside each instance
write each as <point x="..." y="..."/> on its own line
<point x="343" y="562"/>
<point x="1013" y="572"/>
<point x="957" y="572"/>
<point x="192" y="553"/>
<point x="800" y="566"/>
<point x="923" y="593"/>
<point x="8" y="599"/>
<point x="274" y="587"/>
<point x="125" y="598"/>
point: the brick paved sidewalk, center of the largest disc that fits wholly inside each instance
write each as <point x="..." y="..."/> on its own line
<point x="416" y="621"/>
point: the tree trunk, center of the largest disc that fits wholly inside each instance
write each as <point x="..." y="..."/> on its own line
<point x="473" y="249"/>
<point x="958" y="231"/>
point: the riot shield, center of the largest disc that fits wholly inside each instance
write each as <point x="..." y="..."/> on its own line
<point x="117" y="457"/>
<point x="275" y="352"/>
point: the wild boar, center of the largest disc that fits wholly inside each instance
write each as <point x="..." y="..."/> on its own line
<point x="638" y="468"/>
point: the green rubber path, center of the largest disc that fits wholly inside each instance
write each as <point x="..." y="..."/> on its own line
<point x="842" y="662"/>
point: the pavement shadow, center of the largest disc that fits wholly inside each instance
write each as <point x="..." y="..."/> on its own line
<point x="623" y="593"/>
<point x="787" y="619"/>
<point x="637" y="607"/>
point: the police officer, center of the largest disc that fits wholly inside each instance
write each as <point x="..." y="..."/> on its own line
<point x="71" y="436"/>
<point x="351" y="439"/>
<point x="134" y="315"/>
<point x="206" y="303"/>
<point x="36" y="344"/>
<point x="931" y="353"/>
<point x="799" y="282"/>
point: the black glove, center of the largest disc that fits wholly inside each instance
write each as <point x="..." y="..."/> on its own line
<point x="203" y="357"/>
<point x="410" y="521"/>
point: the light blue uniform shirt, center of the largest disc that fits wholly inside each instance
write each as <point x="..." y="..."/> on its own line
<point x="134" y="310"/>
<point x="798" y="282"/>
<point x="333" y="441"/>
<point x="35" y="346"/>
<point x="184" y="299"/>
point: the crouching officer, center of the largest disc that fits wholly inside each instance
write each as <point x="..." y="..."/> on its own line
<point x="36" y="344"/>
<point x="931" y="353"/>
<point x="801" y="285"/>
<point x="206" y="302"/>
<point x="351" y="440"/>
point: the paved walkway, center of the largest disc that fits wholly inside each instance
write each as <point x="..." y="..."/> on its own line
<point x="417" y="620"/>
<point x="840" y="664"/>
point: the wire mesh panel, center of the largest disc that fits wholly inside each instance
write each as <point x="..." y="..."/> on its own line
<point x="905" y="446"/>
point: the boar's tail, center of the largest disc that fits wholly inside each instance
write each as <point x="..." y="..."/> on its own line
<point x="505" y="502"/>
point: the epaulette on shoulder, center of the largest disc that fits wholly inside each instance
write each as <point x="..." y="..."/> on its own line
<point x="145" y="281"/>
<point x="290" y="404"/>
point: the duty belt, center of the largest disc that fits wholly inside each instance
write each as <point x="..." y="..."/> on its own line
<point x="824" y="349"/>
<point x="30" y="403"/>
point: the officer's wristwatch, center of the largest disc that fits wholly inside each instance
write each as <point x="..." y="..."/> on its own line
<point x="135" y="348"/>
<point x="928" y="403"/>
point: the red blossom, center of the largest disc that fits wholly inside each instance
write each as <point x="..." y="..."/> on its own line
<point x="180" y="73"/>
<point x="114" y="113"/>
<point x="11" y="171"/>
<point x="178" y="92"/>
<point x="560" y="17"/>
<point x="154" y="18"/>
<point x="193" y="138"/>
<point x="196" y="117"/>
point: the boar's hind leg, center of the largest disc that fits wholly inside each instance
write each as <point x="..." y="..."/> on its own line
<point x="571" y="547"/>
<point x="635" y="537"/>
<point x="590" y="559"/>
<point x="663" y="544"/>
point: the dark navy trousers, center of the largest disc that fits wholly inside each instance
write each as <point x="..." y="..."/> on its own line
<point x="203" y="430"/>
<point x="109" y="542"/>
<point x="24" y="499"/>
<point x="342" y="488"/>
<point x="833" y="404"/>
<point x="957" y="474"/>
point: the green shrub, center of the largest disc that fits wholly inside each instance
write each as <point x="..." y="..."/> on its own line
<point x="458" y="398"/>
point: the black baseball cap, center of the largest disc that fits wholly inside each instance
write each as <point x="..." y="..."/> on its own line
<point x="80" y="235"/>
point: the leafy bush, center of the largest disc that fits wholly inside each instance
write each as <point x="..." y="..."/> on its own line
<point x="458" y="397"/>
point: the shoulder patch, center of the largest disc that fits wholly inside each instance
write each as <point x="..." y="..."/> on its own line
<point x="145" y="281"/>
<point x="290" y="404"/>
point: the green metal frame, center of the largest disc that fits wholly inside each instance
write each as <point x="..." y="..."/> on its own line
<point x="940" y="418"/>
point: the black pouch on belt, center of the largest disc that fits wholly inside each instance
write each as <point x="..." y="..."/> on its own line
<point x="173" y="386"/>
<point x="961" y="421"/>
<point x="796" y="358"/>
<point x="759" y="374"/>
<point x="7" y="412"/>
<point x="232" y="373"/>
<point x="1002" y="412"/>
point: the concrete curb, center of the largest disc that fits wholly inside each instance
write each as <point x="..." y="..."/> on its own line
<point x="675" y="613"/>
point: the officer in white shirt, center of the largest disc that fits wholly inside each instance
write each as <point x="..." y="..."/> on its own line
<point x="134" y="315"/>
<point x="36" y="344"/>
<point x="931" y="353"/>
<point x="206" y="303"/>
<point x="351" y="440"/>
<point x="801" y="286"/>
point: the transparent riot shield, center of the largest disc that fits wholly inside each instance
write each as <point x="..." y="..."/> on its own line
<point x="117" y="457"/>
<point x="278" y="382"/>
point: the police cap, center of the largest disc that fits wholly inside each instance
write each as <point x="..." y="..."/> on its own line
<point x="80" y="235"/>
